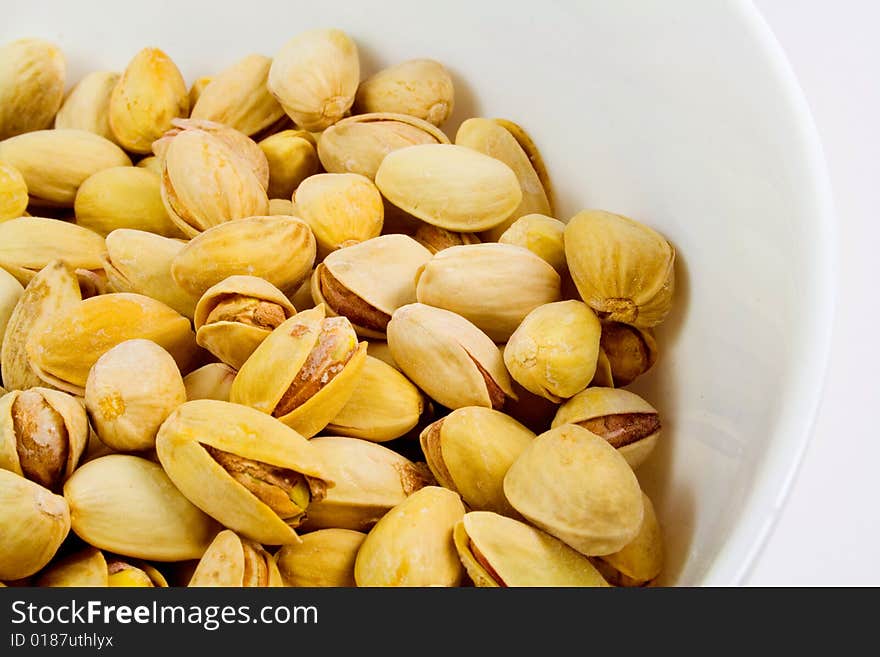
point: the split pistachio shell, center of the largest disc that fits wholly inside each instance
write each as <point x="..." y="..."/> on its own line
<point x="412" y="544"/>
<point x="234" y="561"/>
<point x="211" y="381"/>
<point x="315" y="77"/>
<point x="278" y="249"/>
<point x="340" y="208"/>
<point x="470" y="450"/>
<point x="436" y="239"/>
<point x="140" y="262"/>
<point x="128" y="505"/>
<point x="302" y="298"/>
<point x="126" y="409"/>
<point x="504" y="283"/>
<point x="304" y="372"/>
<point x="370" y="479"/>
<point x="54" y="163"/>
<point x="574" y="485"/>
<point x="530" y="148"/>
<point x="448" y="357"/>
<point x="367" y="282"/>
<point x="149" y="94"/>
<point x="603" y="376"/>
<point x="234" y="316"/>
<point x="500" y="551"/>
<point x="244" y="468"/>
<point x="542" y="235"/>
<point x="418" y="87"/>
<point x="452" y="187"/>
<point x="238" y="97"/>
<point x="195" y="91"/>
<point x="10" y="292"/>
<point x="384" y="405"/>
<point x="624" y="419"/>
<point x="13" y="192"/>
<point x="324" y="558"/>
<point x="123" y="197"/>
<point x="292" y="158"/>
<point x="554" y="352"/>
<point x="74" y="340"/>
<point x="623" y="269"/>
<point x="631" y="351"/>
<point x="33" y="525"/>
<point x="32" y="73"/>
<point x="358" y="144"/>
<point x="87" y="567"/>
<point x="87" y="106"/>
<point x="43" y="434"/>
<point x="641" y="560"/>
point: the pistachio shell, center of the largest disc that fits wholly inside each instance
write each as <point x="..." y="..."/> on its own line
<point x="419" y="87"/>
<point x="574" y="485"/>
<point x="10" y="292"/>
<point x="323" y="558"/>
<point x="138" y="574"/>
<point x="87" y="106"/>
<point x="233" y="561"/>
<point x="149" y="94"/>
<point x="281" y="207"/>
<point x="87" y="567"/>
<point x="531" y="150"/>
<point x="631" y="351"/>
<point x="641" y="560"/>
<point x="315" y="77"/>
<point x="195" y="91"/>
<point x="292" y="158"/>
<point x="302" y="298"/>
<point x="380" y="350"/>
<point x="449" y="186"/>
<point x="151" y="163"/>
<point x="436" y="239"/>
<point x="542" y="235"/>
<point x="211" y="381"/>
<point x="412" y="544"/>
<point x="13" y="192"/>
<point x="31" y="85"/>
<point x="128" y="505"/>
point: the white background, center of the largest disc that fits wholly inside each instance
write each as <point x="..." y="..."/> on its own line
<point x="829" y="531"/>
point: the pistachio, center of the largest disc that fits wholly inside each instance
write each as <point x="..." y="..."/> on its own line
<point x="631" y="351"/>
<point x="234" y="561"/>
<point x="418" y="87"/>
<point x="436" y="239"/>
<point x="603" y="376"/>
<point x="379" y="350"/>
<point x="315" y="77"/>
<point x="302" y="298"/>
<point x="195" y="91"/>
<point x="13" y="192"/>
<point x="124" y="574"/>
<point x="623" y="269"/>
<point x="32" y="75"/>
<point x="88" y="567"/>
<point x="151" y="163"/>
<point x="527" y="144"/>
<point x="10" y="292"/>
<point x="324" y="558"/>
<point x="282" y="207"/>
<point x="292" y="159"/>
<point x="542" y="235"/>
<point x="211" y="381"/>
<point x="87" y="106"/>
<point x="640" y="561"/>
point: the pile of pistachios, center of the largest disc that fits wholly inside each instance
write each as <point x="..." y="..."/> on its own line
<point x="277" y="329"/>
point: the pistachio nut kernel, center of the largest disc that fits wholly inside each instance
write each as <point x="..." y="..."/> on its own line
<point x="13" y="192"/>
<point x="324" y="558"/>
<point x="554" y="351"/>
<point x="631" y="351"/>
<point x="315" y="77"/>
<point x="436" y="239"/>
<point x="211" y="381"/>
<point x="418" y="87"/>
<point x="449" y="358"/>
<point x="292" y="158"/>
<point x="32" y="73"/>
<point x="498" y="551"/>
<point x="87" y="106"/>
<point x="575" y="486"/>
<point x="234" y="561"/>
<point x="640" y="561"/>
<point x="623" y="269"/>
<point x="367" y="282"/>
<point x="625" y="420"/>
<point x="542" y="235"/>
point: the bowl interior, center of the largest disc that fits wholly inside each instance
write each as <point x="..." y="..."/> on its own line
<point x="688" y="121"/>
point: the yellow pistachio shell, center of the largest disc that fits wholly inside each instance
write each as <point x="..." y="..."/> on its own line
<point x="13" y="192"/>
<point x="87" y="106"/>
<point x="211" y="381"/>
<point x="32" y="73"/>
<point x="225" y="563"/>
<point x="292" y="159"/>
<point x="542" y="235"/>
<point x="418" y="87"/>
<point x="87" y="567"/>
<point x="324" y="558"/>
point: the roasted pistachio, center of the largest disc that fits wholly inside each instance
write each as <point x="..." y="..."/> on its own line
<point x="379" y="350"/>
<point x="292" y="158"/>
<point x="133" y="575"/>
<point x="418" y="87"/>
<point x="151" y="163"/>
<point x="211" y="381"/>
<point x="234" y="561"/>
<point x="88" y="567"/>
<point x="542" y="235"/>
<point x="32" y="73"/>
<point x="13" y="192"/>
<point x="323" y="558"/>
<point x="640" y="561"/>
<point x="87" y="106"/>
<point x="631" y="351"/>
<point x="281" y="207"/>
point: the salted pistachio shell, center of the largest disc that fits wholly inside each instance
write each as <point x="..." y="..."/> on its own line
<point x="554" y="351"/>
<point x="87" y="567"/>
<point x="238" y="97"/>
<point x="631" y="351"/>
<point x="470" y="450"/>
<point x="149" y="94"/>
<point x="87" y="106"/>
<point x="211" y="381"/>
<point x="139" y="262"/>
<point x="196" y="426"/>
<point x="384" y="405"/>
<point x="418" y="87"/>
<point x="542" y="235"/>
<point x="448" y="357"/>
<point x="324" y="558"/>
<point x="234" y="561"/>
<point x="292" y="158"/>
<point x="197" y="87"/>
<point x="123" y="197"/>
<point x="33" y="525"/>
<point x="234" y="316"/>
<point x="503" y="284"/>
<point x="315" y="77"/>
<point x="501" y="551"/>
<point x="74" y="340"/>
<point x="358" y="144"/>
<point x="54" y="163"/>
<point x="10" y="292"/>
<point x="624" y="419"/>
<point x="279" y="249"/>
<point x="13" y="192"/>
<point x="128" y="505"/>
<point x="436" y="239"/>
<point x="281" y="207"/>
<point x="370" y="479"/>
<point x="412" y="544"/>
<point x="340" y="208"/>
<point x="32" y="73"/>
<point x="623" y="269"/>
<point x="574" y="485"/>
<point x="449" y="186"/>
<point x="367" y="282"/>
<point x="304" y="372"/>
<point x="43" y="434"/>
<point x="641" y="560"/>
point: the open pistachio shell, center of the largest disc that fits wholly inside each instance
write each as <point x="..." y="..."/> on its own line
<point x="370" y="479"/>
<point x="211" y="381"/>
<point x="87" y="567"/>
<point x="500" y="551"/>
<point x="631" y="351"/>
<point x="324" y="558"/>
<point x="234" y="561"/>
<point x="87" y="106"/>
<point x="641" y="560"/>
<point x="542" y="235"/>
<point x="530" y="148"/>
<point x="292" y="158"/>
<point x="32" y="73"/>
<point x="418" y="87"/>
<point x="574" y="485"/>
<point x="233" y="462"/>
<point x="603" y="376"/>
<point x="234" y="316"/>
<point x="412" y="544"/>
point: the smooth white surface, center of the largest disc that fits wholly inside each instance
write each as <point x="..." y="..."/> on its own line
<point x="829" y="532"/>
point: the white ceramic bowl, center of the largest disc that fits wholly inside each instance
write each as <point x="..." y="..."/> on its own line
<point x="682" y="115"/>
